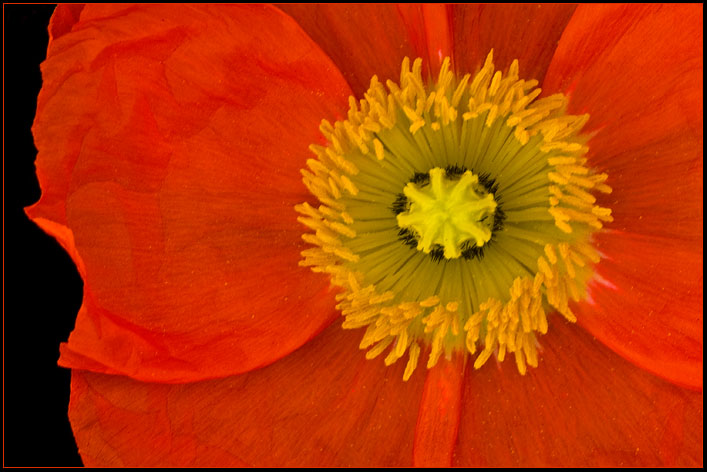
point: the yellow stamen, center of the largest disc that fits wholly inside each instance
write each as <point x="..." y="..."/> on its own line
<point x="481" y="152"/>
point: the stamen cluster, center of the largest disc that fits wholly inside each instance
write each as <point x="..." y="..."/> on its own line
<point x="491" y="126"/>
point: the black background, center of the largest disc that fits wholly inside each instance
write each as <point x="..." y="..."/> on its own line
<point x="42" y="289"/>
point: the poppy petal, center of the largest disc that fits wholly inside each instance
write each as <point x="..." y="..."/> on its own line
<point x="528" y="33"/>
<point x="637" y="70"/>
<point x="324" y="405"/>
<point x="440" y="411"/>
<point x="582" y="406"/>
<point x="366" y="40"/>
<point x="63" y="19"/>
<point x="429" y="30"/>
<point x="647" y="307"/>
<point x="170" y="165"/>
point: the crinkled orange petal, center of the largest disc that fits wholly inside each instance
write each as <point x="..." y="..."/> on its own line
<point x="324" y="405"/>
<point x="63" y="19"/>
<point x="637" y="70"/>
<point x="583" y="406"/>
<point x="170" y="142"/>
<point x="528" y="33"/>
<point x="366" y="40"/>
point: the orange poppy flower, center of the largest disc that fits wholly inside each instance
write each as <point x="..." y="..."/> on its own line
<point x="170" y="147"/>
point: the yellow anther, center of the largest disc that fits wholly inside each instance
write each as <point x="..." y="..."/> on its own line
<point x="378" y="348"/>
<point x="416" y="126"/>
<point x="544" y="268"/>
<point x="413" y="356"/>
<point x="430" y="302"/>
<point x="378" y="146"/>
<point x="550" y="253"/>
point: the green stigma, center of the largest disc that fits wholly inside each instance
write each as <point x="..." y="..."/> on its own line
<point x="448" y="212"/>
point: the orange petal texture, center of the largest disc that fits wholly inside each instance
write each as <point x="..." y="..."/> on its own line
<point x="324" y="405"/>
<point x="169" y="150"/>
<point x="368" y="40"/>
<point x="302" y="412"/>
<point x="637" y="70"/>
<point x="63" y="19"/>
<point x="439" y="414"/>
<point x="582" y="406"/>
<point x="529" y="33"/>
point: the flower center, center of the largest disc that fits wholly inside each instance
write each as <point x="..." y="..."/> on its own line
<point x="488" y="190"/>
<point x="448" y="212"/>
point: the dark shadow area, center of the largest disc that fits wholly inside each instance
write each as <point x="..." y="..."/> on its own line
<point x="42" y="289"/>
